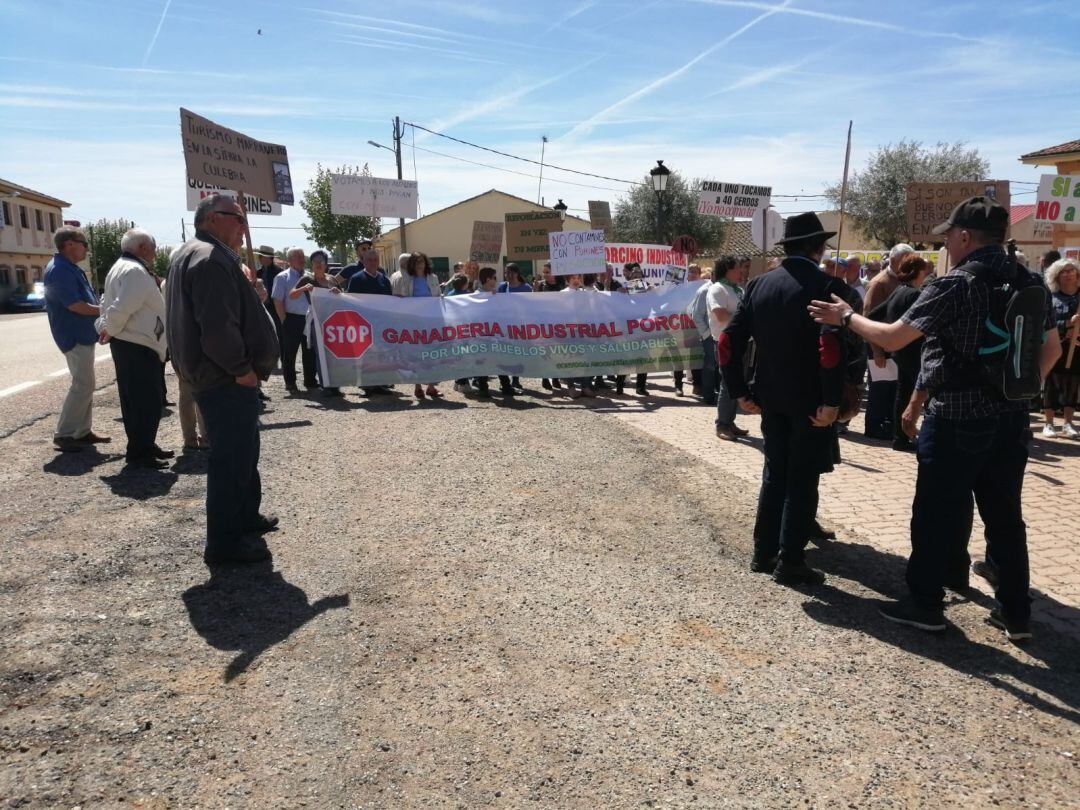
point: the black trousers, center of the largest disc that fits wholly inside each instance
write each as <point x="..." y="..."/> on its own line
<point x="964" y="463"/>
<point x="233" y="486"/>
<point x="292" y="339"/>
<point x="138" y="379"/>
<point x="795" y="454"/>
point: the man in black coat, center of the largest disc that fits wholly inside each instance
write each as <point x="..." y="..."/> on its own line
<point x="797" y="388"/>
<point x="223" y="343"/>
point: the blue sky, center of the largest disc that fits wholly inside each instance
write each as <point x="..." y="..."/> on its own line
<point x="745" y="91"/>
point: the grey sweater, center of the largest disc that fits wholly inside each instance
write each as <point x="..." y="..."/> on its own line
<point x="216" y="327"/>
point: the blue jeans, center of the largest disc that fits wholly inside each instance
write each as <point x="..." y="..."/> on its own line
<point x="710" y="371"/>
<point x="794" y="457"/>
<point x="726" y="407"/>
<point x="233" y="486"/>
<point x="963" y="463"/>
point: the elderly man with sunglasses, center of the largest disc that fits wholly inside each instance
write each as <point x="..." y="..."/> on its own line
<point x="223" y="342"/>
<point x="72" y="307"/>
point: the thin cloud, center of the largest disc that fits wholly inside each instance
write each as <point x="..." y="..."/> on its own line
<point x="841" y="18"/>
<point x="762" y="76"/>
<point x="397" y="24"/>
<point x="396" y="32"/>
<point x="157" y="31"/>
<point x="574" y="12"/>
<point x="589" y="124"/>
<point x="411" y="46"/>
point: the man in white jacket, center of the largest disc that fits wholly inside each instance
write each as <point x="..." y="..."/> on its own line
<point x="132" y="322"/>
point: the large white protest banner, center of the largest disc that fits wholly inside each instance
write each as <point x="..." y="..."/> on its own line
<point x="1059" y="198"/>
<point x="575" y="252"/>
<point x="656" y="261"/>
<point x="363" y="196"/>
<point x="738" y="200"/>
<point x="197" y="190"/>
<point x="384" y="340"/>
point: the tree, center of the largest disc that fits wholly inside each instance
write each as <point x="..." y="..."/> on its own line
<point x="105" y="236"/>
<point x="635" y="215"/>
<point x="161" y="260"/>
<point x="334" y="232"/>
<point x="877" y="198"/>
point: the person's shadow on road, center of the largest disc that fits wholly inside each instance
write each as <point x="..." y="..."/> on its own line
<point x="1058" y="679"/>
<point x="250" y="609"/>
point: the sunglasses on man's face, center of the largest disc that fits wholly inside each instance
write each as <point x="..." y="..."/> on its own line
<point x="232" y="214"/>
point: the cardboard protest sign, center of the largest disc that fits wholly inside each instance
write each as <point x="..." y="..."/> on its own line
<point x="527" y="234"/>
<point x="197" y="190"/>
<point x="1058" y="199"/>
<point x="929" y="204"/>
<point x="737" y="200"/>
<point x="487" y="239"/>
<point x="220" y="156"/>
<point x="576" y="252"/>
<point x="600" y="218"/>
<point x="656" y="260"/>
<point x="363" y="196"/>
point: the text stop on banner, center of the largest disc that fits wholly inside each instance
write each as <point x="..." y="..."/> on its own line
<point x="346" y="335"/>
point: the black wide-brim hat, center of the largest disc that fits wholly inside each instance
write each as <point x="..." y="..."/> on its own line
<point x="803" y="226"/>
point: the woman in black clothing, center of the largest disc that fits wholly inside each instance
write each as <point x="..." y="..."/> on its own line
<point x="912" y="272"/>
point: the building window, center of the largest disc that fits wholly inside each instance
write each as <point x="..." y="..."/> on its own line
<point x="5" y="275"/>
<point x="37" y="272"/>
<point x="7" y="215"/>
<point x="52" y="222"/>
<point x="24" y="218"/>
<point x="20" y="276"/>
<point x="39" y="220"/>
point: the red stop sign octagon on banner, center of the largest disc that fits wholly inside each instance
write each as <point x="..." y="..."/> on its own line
<point x="346" y="335"/>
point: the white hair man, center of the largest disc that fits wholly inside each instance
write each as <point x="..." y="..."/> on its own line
<point x="291" y="304"/>
<point x="72" y="307"/>
<point x="132" y="322"/>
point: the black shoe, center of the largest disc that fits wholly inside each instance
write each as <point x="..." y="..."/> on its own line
<point x="66" y="444"/>
<point x="516" y="382"/>
<point x="244" y="555"/>
<point x="147" y="463"/>
<point x="641" y="390"/>
<point x="961" y="584"/>
<point x="483" y="393"/>
<point x="678" y="391"/>
<point x="556" y="384"/>
<point x="909" y="613"/>
<point x="619" y="387"/>
<point x="329" y="393"/>
<point x="903" y="445"/>
<point x="763" y="564"/>
<point x="264" y="396"/>
<point x="545" y="383"/>
<point x="986" y="570"/>
<point x="159" y="453"/>
<point x="310" y="385"/>
<point x="291" y="387"/>
<point x="507" y="390"/>
<point x="738" y="431"/>
<point x="1014" y="630"/>
<point x="264" y="523"/>
<point x="797" y="574"/>
<point x="818" y="536"/>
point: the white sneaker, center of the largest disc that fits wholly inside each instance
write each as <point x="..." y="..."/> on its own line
<point x="1049" y="431"/>
<point x="1068" y="431"/>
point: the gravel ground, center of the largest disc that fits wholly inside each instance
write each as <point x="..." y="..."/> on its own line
<point x="482" y="606"/>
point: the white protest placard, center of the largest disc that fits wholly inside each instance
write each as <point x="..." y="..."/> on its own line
<point x="1059" y="198"/>
<point x="197" y="190"/>
<point x="576" y="252"/>
<point x="737" y="200"/>
<point x="655" y="260"/>
<point x="363" y="196"/>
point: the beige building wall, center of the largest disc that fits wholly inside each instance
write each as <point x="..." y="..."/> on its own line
<point x="447" y="234"/>
<point x="853" y="238"/>
<point x="26" y="246"/>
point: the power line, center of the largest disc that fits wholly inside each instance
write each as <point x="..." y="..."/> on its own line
<point x="524" y="159"/>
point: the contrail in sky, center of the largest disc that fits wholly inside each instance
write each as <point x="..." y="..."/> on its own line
<point x="153" y="40"/>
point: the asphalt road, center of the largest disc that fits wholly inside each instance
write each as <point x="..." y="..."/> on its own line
<point x="33" y="372"/>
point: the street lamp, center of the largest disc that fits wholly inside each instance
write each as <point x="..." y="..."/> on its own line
<point x="562" y="208"/>
<point x="659" y="174"/>
<point x="387" y="148"/>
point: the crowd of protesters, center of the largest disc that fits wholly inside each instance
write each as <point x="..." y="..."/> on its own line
<point x="227" y="327"/>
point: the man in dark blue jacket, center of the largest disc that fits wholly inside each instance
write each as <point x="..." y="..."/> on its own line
<point x="797" y="387"/>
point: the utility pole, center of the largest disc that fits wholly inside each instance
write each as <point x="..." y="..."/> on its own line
<point x="399" y="131"/>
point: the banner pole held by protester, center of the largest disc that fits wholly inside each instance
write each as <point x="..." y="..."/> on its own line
<point x="843" y="190"/>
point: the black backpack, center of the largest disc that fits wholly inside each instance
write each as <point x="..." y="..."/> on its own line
<point x="1007" y="360"/>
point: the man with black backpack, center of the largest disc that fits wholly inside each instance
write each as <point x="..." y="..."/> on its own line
<point x="989" y="343"/>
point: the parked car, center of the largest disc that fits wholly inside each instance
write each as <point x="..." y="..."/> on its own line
<point x="28" y="298"/>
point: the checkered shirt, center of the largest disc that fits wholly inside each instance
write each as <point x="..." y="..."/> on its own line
<point x="950" y="312"/>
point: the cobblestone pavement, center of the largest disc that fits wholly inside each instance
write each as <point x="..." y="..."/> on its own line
<point x="868" y="498"/>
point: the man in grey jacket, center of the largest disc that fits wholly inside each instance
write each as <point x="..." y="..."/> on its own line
<point x="222" y="343"/>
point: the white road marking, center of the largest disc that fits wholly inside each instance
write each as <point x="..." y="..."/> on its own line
<point x="7" y="392"/>
<point x="59" y="373"/>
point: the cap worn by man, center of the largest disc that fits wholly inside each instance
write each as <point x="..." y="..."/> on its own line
<point x="977" y="214"/>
